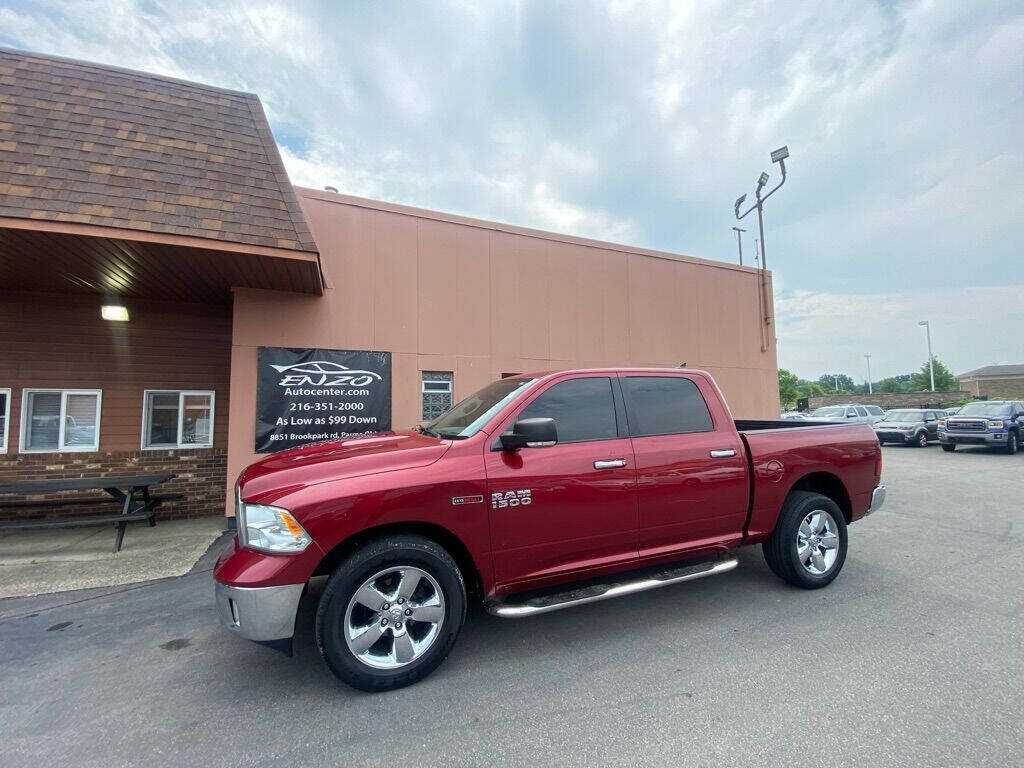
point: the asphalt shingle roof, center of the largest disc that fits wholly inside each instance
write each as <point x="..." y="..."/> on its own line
<point x="98" y="145"/>
<point x="995" y="370"/>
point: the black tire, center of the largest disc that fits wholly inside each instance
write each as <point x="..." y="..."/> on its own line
<point x="921" y="440"/>
<point x="949" y="447"/>
<point x="372" y="558"/>
<point x="780" y="551"/>
<point x="1012" y="442"/>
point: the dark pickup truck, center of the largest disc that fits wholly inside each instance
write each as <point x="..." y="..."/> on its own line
<point x="536" y="493"/>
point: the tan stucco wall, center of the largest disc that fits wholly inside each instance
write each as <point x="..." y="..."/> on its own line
<point x="480" y="299"/>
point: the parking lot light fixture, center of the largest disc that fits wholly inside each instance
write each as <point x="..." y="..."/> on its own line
<point x="870" y="390"/>
<point x="931" y="360"/>
<point x="778" y="156"/>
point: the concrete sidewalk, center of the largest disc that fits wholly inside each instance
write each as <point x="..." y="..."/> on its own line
<point x="59" y="559"/>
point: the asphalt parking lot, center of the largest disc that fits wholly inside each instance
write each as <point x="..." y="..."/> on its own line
<point x="912" y="657"/>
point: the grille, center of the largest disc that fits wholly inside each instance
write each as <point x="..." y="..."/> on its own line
<point x="967" y="426"/>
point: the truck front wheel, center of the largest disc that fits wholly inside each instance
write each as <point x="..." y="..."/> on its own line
<point x="808" y="546"/>
<point x="391" y="612"/>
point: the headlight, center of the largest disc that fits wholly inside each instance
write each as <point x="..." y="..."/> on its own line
<point x="997" y="423"/>
<point x="270" y="529"/>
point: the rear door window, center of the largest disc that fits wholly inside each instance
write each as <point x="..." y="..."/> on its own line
<point x="861" y="411"/>
<point x="583" y="409"/>
<point x="665" y="405"/>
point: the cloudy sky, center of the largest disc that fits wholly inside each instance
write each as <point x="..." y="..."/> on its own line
<point x="641" y="122"/>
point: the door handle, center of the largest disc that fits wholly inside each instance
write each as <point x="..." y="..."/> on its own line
<point x="723" y="454"/>
<point x="610" y="464"/>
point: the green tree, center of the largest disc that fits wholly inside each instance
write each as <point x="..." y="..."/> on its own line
<point x="788" y="392"/>
<point x="945" y="381"/>
<point x="828" y="381"/>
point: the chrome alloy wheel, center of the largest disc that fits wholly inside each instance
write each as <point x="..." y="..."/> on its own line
<point x="394" y="617"/>
<point x="817" y="542"/>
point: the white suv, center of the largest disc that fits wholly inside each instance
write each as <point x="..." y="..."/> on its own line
<point x="852" y="413"/>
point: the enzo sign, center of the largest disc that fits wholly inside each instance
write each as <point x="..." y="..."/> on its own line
<point x="305" y="395"/>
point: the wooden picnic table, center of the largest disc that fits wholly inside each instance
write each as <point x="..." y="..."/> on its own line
<point x="131" y="492"/>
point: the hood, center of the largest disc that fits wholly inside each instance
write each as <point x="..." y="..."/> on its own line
<point x="896" y="424"/>
<point x="296" y="468"/>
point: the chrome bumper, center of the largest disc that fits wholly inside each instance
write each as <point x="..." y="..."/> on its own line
<point x="877" y="499"/>
<point x="972" y="438"/>
<point x="259" y="613"/>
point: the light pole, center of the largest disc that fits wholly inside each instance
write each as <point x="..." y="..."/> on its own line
<point x="778" y="156"/>
<point x="931" y="364"/>
<point x="739" y="241"/>
<point x="870" y="390"/>
<point x="836" y="377"/>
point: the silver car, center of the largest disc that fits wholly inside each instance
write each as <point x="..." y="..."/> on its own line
<point x="910" y="426"/>
<point x="852" y="413"/>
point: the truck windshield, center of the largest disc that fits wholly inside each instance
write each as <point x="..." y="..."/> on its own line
<point x="469" y="415"/>
<point x="983" y="409"/>
<point x="904" y="416"/>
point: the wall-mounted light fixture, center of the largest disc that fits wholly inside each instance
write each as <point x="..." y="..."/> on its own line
<point x="114" y="312"/>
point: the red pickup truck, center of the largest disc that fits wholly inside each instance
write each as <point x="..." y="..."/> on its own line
<point x="536" y="493"/>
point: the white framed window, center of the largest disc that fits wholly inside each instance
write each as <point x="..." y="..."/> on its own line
<point x="435" y="393"/>
<point x="177" y="418"/>
<point x="5" y="417"/>
<point x="57" y="420"/>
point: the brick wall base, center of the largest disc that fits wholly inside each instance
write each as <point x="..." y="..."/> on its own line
<point x="201" y="478"/>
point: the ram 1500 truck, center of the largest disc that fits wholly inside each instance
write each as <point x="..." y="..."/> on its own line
<point x="536" y="493"/>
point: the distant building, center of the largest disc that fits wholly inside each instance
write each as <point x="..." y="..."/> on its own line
<point x="994" y="382"/>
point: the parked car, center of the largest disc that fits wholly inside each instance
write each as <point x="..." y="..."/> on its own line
<point x="863" y="414"/>
<point x="911" y="426"/>
<point x="985" y="422"/>
<point x="794" y="416"/>
<point x="520" y="490"/>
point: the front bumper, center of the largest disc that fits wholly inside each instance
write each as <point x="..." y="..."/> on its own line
<point x="893" y="436"/>
<point x="262" y="614"/>
<point x="877" y="499"/>
<point x="972" y="438"/>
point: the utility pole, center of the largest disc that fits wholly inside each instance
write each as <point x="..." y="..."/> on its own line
<point x="870" y="390"/>
<point x="837" y="381"/>
<point x="739" y="241"/>
<point x="931" y="363"/>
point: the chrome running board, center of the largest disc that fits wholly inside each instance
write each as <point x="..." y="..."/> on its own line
<point x="592" y="594"/>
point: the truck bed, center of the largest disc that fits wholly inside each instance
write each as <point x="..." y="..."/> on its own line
<point x="757" y="425"/>
<point x="781" y="451"/>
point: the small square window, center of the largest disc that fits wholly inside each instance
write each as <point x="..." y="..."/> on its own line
<point x="55" y="420"/>
<point x="436" y="393"/>
<point x="5" y="416"/>
<point x="177" y="419"/>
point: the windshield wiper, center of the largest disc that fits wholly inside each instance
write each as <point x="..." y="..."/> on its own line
<point x="427" y="431"/>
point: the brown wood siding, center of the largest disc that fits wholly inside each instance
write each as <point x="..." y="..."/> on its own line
<point x="60" y="342"/>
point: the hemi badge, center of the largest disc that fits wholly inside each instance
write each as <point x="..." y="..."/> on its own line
<point x="467" y="500"/>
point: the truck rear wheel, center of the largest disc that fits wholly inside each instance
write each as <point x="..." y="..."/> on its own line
<point x="808" y="546"/>
<point x="391" y="612"/>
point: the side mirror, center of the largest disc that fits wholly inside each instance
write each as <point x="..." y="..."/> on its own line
<point x="851" y="415"/>
<point x="530" y="433"/>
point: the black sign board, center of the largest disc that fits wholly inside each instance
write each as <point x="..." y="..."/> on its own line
<point x="305" y="395"/>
